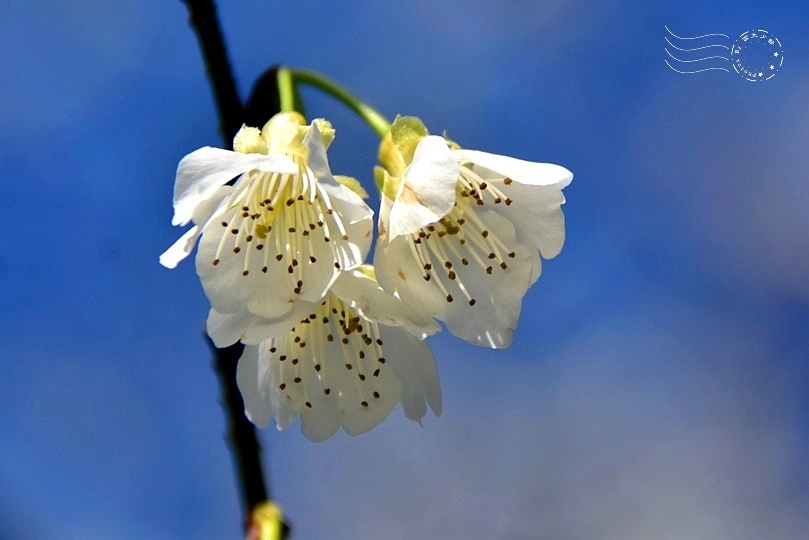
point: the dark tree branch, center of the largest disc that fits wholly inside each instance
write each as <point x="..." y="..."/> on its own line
<point x="202" y="15"/>
<point x="241" y="433"/>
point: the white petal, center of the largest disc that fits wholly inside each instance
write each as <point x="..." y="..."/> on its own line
<point x="372" y="302"/>
<point x="263" y="274"/>
<point x="180" y="249"/>
<point x="254" y="388"/>
<point x="358" y="220"/>
<point x="268" y="294"/>
<point x="397" y="270"/>
<point x="227" y="328"/>
<point x="407" y="217"/>
<point x="491" y="321"/>
<point x="537" y="215"/>
<point x="385" y="206"/>
<point x="427" y="191"/>
<point x="433" y="174"/>
<point x="525" y="172"/>
<point x="317" y="160"/>
<point x="203" y="171"/>
<point x="414" y="364"/>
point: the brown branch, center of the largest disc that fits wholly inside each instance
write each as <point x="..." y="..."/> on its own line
<point x="202" y="16"/>
<point x="241" y="432"/>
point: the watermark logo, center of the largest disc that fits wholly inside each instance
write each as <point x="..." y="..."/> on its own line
<point x="756" y="55"/>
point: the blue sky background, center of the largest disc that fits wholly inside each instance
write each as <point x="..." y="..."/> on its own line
<point x="658" y="384"/>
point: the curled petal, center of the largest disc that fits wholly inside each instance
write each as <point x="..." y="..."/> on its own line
<point x="180" y="249"/>
<point x="225" y="329"/>
<point x="203" y="171"/>
<point x="427" y="191"/>
<point x="524" y="172"/>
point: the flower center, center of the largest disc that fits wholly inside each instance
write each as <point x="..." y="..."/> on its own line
<point x="332" y="352"/>
<point x="463" y="237"/>
<point x="281" y="219"/>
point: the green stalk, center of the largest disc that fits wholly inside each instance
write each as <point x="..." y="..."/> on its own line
<point x="371" y="116"/>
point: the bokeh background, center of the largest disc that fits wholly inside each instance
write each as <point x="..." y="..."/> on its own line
<point x="657" y="387"/>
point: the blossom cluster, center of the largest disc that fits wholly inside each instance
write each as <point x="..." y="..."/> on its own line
<point x="282" y="259"/>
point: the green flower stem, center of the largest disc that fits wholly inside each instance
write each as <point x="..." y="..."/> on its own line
<point x="286" y="90"/>
<point x="371" y="116"/>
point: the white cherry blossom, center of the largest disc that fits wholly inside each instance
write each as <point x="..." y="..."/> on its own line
<point x="461" y="231"/>
<point x="285" y="228"/>
<point x="345" y="361"/>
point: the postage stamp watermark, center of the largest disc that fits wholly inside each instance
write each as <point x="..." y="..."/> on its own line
<point x="756" y="55"/>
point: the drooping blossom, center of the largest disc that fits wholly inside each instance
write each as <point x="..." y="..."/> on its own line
<point x="344" y="361"/>
<point x="462" y="231"/>
<point x="282" y="232"/>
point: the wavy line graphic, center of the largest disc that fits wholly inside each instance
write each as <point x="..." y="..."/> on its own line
<point x="700" y="63"/>
<point x="696" y="48"/>
<point x="697" y="71"/>
<point x="698" y="37"/>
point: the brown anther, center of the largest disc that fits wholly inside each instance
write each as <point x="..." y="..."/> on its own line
<point x="215" y="262"/>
